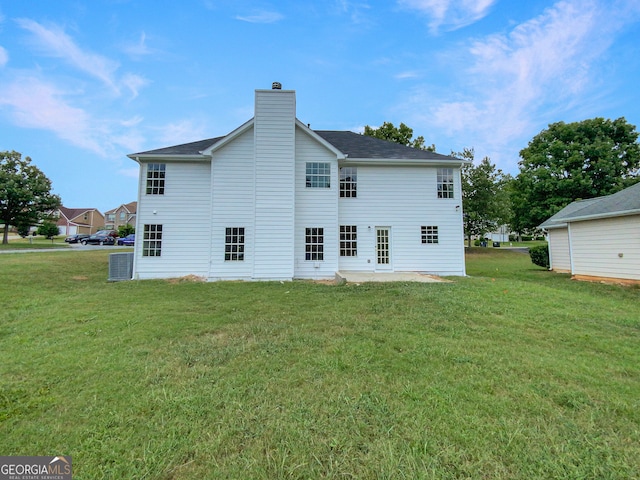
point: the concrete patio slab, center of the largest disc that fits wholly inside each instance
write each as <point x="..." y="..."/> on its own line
<point x="363" y="277"/>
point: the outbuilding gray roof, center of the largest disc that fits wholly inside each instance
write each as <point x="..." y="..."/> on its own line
<point x="624" y="202"/>
<point x="353" y="145"/>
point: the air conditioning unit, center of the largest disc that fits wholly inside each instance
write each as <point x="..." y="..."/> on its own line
<point x="120" y="266"/>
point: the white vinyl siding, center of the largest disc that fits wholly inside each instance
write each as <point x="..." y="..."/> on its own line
<point x="316" y="207"/>
<point x="185" y="220"/>
<point x="232" y="205"/>
<point x="402" y="197"/>
<point x="274" y="137"/>
<point x="607" y="248"/>
<point x="559" y="253"/>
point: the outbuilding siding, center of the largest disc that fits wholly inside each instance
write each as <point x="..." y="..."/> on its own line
<point x="607" y="248"/>
<point x="559" y="252"/>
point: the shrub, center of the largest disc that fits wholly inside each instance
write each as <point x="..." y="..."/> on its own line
<point x="527" y="238"/>
<point x="48" y="229"/>
<point x="124" y="230"/>
<point x="540" y="255"/>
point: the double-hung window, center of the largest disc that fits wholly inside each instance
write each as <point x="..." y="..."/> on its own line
<point x="152" y="241"/>
<point x="348" y="182"/>
<point x="429" y="234"/>
<point x="314" y="243"/>
<point x="155" y="178"/>
<point x="318" y="175"/>
<point x="348" y="240"/>
<point x="445" y="182"/>
<point x="234" y="244"/>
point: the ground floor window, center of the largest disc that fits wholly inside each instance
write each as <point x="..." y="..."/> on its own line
<point x="234" y="244"/>
<point x="314" y="244"/>
<point x="348" y="240"/>
<point x="429" y="234"/>
<point x="152" y="241"/>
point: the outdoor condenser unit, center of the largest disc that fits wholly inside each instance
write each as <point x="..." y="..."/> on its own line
<point x="120" y="266"/>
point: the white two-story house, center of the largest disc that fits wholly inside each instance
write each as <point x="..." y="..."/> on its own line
<point x="276" y="200"/>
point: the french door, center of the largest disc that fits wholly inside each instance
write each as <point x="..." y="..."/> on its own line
<point x="383" y="249"/>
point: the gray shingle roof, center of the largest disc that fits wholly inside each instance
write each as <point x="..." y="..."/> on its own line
<point x="624" y="202"/>
<point x="353" y="145"/>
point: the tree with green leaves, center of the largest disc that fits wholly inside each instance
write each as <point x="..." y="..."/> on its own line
<point x="571" y="161"/>
<point x="402" y="135"/>
<point x="485" y="199"/>
<point x="25" y="192"/>
<point x="124" y="230"/>
<point x="48" y="229"/>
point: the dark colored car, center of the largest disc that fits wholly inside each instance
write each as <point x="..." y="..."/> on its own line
<point x="129" y="240"/>
<point x="99" y="239"/>
<point x="76" y="238"/>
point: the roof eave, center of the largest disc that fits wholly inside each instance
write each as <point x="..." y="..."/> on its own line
<point x="433" y="162"/>
<point x="142" y="157"/>
<point x="623" y="213"/>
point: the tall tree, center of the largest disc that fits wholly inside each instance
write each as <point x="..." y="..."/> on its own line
<point x="402" y="135"/>
<point x="25" y="192"/>
<point x="485" y="200"/>
<point x="570" y="161"/>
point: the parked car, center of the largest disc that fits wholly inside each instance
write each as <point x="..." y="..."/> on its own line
<point x="129" y="240"/>
<point x="99" y="239"/>
<point x="111" y="233"/>
<point x="76" y="238"/>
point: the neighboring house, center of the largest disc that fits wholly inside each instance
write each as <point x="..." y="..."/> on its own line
<point x="78" y="220"/>
<point x="598" y="238"/>
<point x="275" y="200"/>
<point x="125" y="214"/>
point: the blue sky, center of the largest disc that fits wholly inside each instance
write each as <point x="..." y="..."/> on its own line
<point x="84" y="83"/>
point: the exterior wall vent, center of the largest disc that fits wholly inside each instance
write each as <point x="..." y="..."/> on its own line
<point x="120" y="266"/>
<point x="276" y="86"/>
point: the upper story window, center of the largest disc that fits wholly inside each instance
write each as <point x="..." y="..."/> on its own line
<point x="123" y="216"/>
<point x="152" y="241"/>
<point x="348" y="181"/>
<point x="318" y="175"/>
<point x="111" y="217"/>
<point x="445" y="183"/>
<point x="155" y="178"/>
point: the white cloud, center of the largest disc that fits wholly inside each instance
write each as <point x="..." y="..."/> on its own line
<point x="134" y="83"/>
<point x="55" y="42"/>
<point x="4" y="57"/>
<point x="140" y="48"/>
<point x="515" y="80"/>
<point x="38" y="104"/>
<point x="262" y="16"/>
<point x="450" y="14"/>
<point x="184" y="131"/>
<point x="406" y="75"/>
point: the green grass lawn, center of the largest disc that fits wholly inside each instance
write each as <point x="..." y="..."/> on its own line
<point x="511" y="373"/>
<point x="16" y="243"/>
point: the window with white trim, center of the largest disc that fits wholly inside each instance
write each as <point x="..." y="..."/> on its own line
<point x="429" y="234"/>
<point x="348" y="240"/>
<point x="152" y="241"/>
<point x="445" y="183"/>
<point x="348" y="182"/>
<point x="234" y="244"/>
<point x="318" y="175"/>
<point x="155" y="178"/>
<point x="314" y="243"/>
